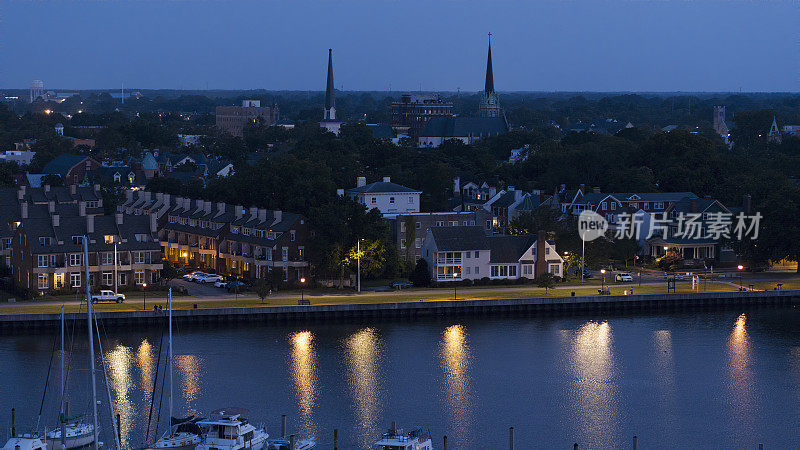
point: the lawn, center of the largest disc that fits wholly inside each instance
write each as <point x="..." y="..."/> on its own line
<point x="405" y="296"/>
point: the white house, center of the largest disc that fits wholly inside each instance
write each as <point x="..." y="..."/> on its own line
<point x="389" y="198"/>
<point x="468" y="253"/>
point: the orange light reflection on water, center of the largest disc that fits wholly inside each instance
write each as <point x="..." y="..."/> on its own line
<point x="363" y="361"/>
<point x="455" y="361"/>
<point x="304" y="377"/>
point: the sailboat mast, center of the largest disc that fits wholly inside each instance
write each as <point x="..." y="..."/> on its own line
<point x="91" y="338"/>
<point x="63" y="354"/>
<point x="170" y="361"/>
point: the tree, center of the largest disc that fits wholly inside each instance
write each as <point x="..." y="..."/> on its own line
<point x="546" y="281"/>
<point x="168" y="272"/>
<point x="421" y="276"/>
<point x="262" y="288"/>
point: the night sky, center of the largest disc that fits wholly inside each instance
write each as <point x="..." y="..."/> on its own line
<point x="598" y="45"/>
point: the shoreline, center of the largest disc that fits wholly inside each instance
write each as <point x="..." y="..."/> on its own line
<point x="348" y="312"/>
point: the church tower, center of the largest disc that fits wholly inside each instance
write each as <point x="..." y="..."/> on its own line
<point x="489" y="105"/>
<point x="774" y="134"/>
<point x="329" y="120"/>
<point x="330" y="99"/>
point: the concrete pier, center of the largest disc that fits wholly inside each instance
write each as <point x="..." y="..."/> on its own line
<point x="10" y="323"/>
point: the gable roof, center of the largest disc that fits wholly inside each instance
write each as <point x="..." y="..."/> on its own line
<point x="459" y="238"/>
<point x="62" y="164"/>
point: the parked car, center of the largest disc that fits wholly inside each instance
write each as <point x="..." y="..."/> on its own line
<point x="208" y="278"/>
<point x="221" y="284"/>
<point x="186" y="269"/>
<point x="623" y="277"/>
<point x="401" y="284"/>
<point x="108" y="296"/>
<point x="192" y="275"/>
<point x="237" y="286"/>
<point x="587" y="273"/>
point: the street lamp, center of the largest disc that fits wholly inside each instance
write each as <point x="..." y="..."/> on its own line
<point x="144" y="298"/>
<point x="603" y="285"/>
<point x="740" y="268"/>
<point x="358" y="256"/>
<point x="302" y="283"/>
<point x="455" y="286"/>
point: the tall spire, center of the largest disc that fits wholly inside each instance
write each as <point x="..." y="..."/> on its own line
<point x="489" y="75"/>
<point x="330" y="100"/>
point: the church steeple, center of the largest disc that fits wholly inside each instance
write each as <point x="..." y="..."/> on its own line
<point x="490" y="104"/>
<point x="489" y="88"/>
<point x="330" y="99"/>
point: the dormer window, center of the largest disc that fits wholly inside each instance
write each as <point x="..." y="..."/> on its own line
<point x="109" y="238"/>
<point x="77" y="240"/>
<point x="45" y="240"/>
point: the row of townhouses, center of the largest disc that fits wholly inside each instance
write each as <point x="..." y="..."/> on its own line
<point x="42" y="231"/>
<point x="229" y="239"/>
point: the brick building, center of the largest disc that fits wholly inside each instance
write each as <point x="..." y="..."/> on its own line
<point x="232" y="119"/>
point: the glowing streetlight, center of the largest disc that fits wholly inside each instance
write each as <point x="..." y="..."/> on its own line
<point x="603" y="285"/>
<point x="144" y="298"/>
<point x="302" y="283"/>
<point x="455" y="286"/>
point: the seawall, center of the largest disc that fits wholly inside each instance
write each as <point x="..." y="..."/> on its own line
<point x="10" y="323"/>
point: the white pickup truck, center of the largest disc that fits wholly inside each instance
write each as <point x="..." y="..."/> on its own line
<point x="108" y="296"/>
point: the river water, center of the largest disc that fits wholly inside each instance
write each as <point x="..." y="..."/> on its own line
<point x="694" y="379"/>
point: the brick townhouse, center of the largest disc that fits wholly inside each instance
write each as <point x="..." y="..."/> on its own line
<point x="47" y="252"/>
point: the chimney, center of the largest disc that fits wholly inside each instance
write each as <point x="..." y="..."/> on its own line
<point x="596" y="189"/>
<point x="199" y="204"/>
<point x="278" y="215"/>
<point x="456" y="185"/>
<point x="511" y="188"/>
<point x="167" y="198"/>
<point x="24" y="209"/>
<point x="340" y="192"/>
<point x="207" y="207"/>
<point x="262" y="215"/>
<point x="159" y="196"/>
<point x="693" y="205"/>
<point x="55" y="220"/>
<point x="239" y="209"/>
<point x="361" y="181"/>
<point x="97" y="187"/>
<point x="81" y="208"/>
<point x="21" y="192"/>
<point x="253" y="212"/>
<point x="148" y="196"/>
<point x="540" y="266"/>
<point x="90" y="224"/>
<point x="128" y="196"/>
<point x="119" y="218"/>
<point x="153" y="223"/>
<point x="221" y="207"/>
<point x="73" y="189"/>
<point x="747" y="203"/>
<point x="387" y="179"/>
<point x="51" y="206"/>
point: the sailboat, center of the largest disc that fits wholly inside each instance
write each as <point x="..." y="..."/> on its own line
<point x="177" y="437"/>
<point x="76" y="432"/>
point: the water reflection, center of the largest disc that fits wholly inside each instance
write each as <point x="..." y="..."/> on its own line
<point x="118" y="362"/>
<point x="188" y="376"/>
<point x="740" y="377"/>
<point x="304" y="376"/>
<point x="363" y="369"/>
<point x="455" y="359"/>
<point x="595" y="394"/>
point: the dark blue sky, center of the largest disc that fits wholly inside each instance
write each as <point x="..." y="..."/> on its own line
<point x="597" y="45"/>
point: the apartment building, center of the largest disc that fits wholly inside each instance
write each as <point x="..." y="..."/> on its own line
<point x="408" y="230"/>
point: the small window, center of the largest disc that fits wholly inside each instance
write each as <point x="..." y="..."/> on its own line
<point x="109" y="238"/>
<point x="419" y="225"/>
<point x="410" y="200"/>
<point x="391" y="200"/>
<point x="477" y="254"/>
<point x="291" y="235"/>
<point x="374" y="200"/>
<point x="77" y="240"/>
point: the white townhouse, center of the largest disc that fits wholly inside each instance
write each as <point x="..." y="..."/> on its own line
<point x="469" y="253"/>
<point x="389" y="198"/>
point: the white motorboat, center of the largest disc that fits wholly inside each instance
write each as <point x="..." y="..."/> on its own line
<point x="176" y="438"/>
<point x="24" y="442"/>
<point x="395" y="439"/>
<point x="226" y="429"/>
